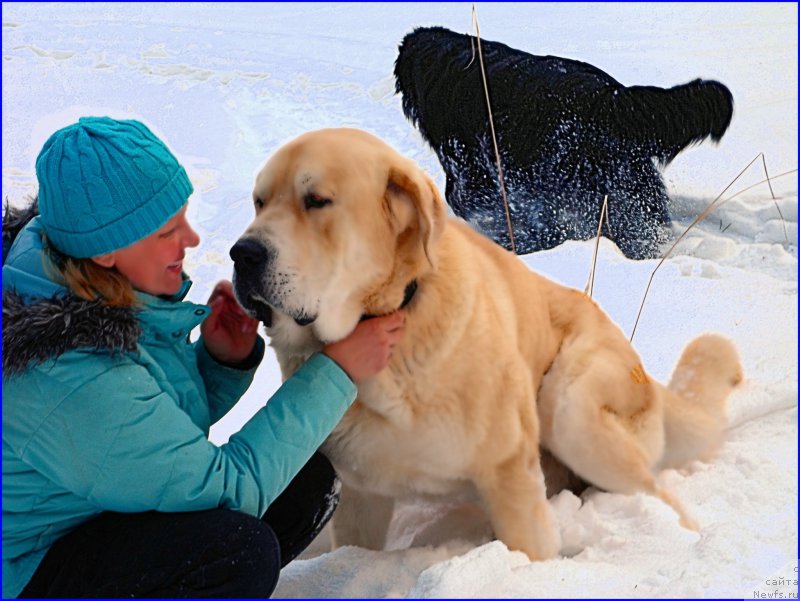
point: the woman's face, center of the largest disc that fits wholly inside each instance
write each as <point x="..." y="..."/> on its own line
<point x="154" y="264"/>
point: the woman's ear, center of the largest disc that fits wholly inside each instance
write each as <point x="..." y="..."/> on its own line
<point x="106" y="260"/>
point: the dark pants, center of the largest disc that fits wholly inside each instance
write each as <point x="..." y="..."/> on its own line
<point x="215" y="553"/>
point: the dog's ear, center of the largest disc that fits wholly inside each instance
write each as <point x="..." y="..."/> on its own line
<point x="415" y="207"/>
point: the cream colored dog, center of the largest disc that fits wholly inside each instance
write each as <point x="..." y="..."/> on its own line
<point x="497" y="362"/>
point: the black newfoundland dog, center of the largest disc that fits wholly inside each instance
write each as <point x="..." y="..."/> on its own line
<point x="568" y="134"/>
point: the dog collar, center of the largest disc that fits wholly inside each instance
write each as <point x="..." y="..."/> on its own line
<point x="409" y="293"/>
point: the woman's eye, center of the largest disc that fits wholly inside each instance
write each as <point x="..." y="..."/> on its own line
<point x="167" y="234"/>
<point x="312" y="201"/>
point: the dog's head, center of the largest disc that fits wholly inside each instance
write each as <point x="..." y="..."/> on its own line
<point x="343" y="224"/>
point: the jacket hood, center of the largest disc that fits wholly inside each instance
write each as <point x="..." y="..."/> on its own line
<point x="42" y="319"/>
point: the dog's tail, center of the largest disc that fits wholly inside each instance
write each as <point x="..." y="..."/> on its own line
<point x="694" y="410"/>
<point x="669" y="120"/>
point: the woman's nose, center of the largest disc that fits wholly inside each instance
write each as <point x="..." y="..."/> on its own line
<point x="191" y="239"/>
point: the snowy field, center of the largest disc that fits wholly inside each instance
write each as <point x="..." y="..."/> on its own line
<point x="225" y="84"/>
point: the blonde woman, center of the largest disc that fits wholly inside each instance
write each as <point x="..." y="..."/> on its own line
<point x="110" y="485"/>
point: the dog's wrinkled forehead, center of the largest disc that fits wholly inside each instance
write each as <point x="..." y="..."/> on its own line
<point x="322" y="156"/>
<point x="286" y="173"/>
<point x="296" y="172"/>
<point x="276" y="182"/>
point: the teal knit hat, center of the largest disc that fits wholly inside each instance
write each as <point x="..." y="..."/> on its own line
<point x="104" y="184"/>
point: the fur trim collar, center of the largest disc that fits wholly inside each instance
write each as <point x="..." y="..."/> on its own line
<point x="45" y="328"/>
<point x="14" y="219"/>
<point x="48" y="328"/>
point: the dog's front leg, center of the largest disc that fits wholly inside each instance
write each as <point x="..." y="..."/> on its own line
<point x="516" y="500"/>
<point x="361" y="519"/>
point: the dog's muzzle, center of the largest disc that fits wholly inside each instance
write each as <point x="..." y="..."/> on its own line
<point x="250" y="259"/>
<point x="251" y="282"/>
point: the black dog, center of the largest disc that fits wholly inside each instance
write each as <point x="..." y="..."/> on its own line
<point x="568" y="134"/>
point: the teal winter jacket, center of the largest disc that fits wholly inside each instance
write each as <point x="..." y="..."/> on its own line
<point x="109" y="409"/>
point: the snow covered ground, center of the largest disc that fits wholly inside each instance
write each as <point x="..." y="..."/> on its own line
<point x="225" y="84"/>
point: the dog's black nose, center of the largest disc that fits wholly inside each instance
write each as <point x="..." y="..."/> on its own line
<point x="249" y="255"/>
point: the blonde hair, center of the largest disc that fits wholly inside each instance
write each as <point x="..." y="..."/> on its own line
<point x="90" y="281"/>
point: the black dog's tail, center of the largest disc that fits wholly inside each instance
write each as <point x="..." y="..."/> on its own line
<point x="670" y="119"/>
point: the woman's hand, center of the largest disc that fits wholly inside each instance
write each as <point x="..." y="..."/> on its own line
<point x="229" y="333"/>
<point x="367" y="350"/>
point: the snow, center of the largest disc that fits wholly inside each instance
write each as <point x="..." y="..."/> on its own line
<point x="225" y="84"/>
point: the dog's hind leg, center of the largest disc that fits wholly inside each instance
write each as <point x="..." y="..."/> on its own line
<point x="361" y="519"/>
<point x="607" y="426"/>
<point x="627" y="472"/>
<point x="637" y="207"/>
<point x="631" y="474"/>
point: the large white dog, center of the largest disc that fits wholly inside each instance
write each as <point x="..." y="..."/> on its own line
<point x="497" y="362"/>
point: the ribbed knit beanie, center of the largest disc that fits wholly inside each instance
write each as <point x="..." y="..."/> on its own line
<point x="105" y="183"/>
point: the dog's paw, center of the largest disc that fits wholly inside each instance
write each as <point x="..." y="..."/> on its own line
<point x="547" y="539"/>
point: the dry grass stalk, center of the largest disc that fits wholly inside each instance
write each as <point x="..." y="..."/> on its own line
<point x="697" y="220"/>
<point x="769" y="183"/>
<point x="491" y="127"/>
<point x="603" y="213"/>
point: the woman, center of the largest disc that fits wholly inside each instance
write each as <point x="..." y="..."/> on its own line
<point x="110" y="485"/>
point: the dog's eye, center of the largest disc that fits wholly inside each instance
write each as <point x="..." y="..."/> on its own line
<point x="258" y="202"/>
<point x="312" y="201"/>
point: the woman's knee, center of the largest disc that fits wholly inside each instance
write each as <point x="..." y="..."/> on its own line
<point x="242" y="556"/>
<point x="213" y="553"/>
<point x="302" y="510"/>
